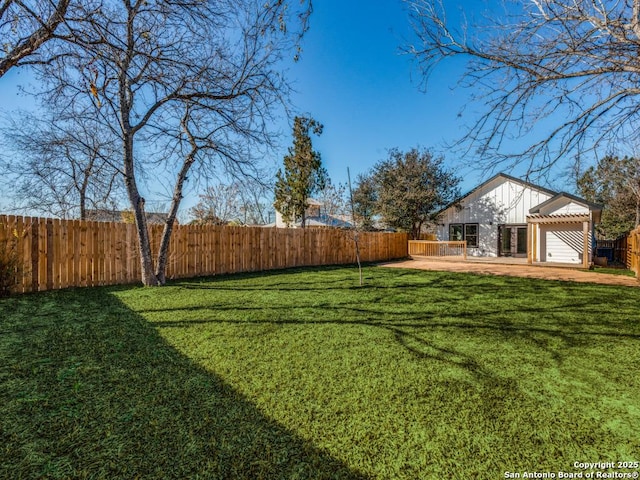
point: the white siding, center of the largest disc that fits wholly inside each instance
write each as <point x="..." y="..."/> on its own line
<point x="498" y="202"/>
<point x="561" y="243"/>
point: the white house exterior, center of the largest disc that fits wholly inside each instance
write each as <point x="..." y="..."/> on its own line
<point x="506" y="216"/>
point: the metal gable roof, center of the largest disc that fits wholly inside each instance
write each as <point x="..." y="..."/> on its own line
<point x="495" y="177"/>
<point x="582" y="201"/>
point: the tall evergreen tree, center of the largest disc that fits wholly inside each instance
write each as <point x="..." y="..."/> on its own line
<point x="303" y="173"/>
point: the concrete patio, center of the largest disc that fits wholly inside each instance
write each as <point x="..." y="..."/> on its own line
<point x="514" y="267"/>
<point x="496" y="261"/>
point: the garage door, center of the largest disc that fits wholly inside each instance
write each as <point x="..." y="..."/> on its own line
<point x="562" y="243"/>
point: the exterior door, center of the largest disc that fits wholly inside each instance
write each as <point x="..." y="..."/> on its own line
<point x="512" y="240"/>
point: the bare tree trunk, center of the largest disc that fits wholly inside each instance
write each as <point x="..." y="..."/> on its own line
<point x="161" y="263"/>
<point x="137" y="202"/>
<point x="356" y="233"/>
<point x="417" y="231"/>
<point x="128" y="132"/>
<point x="83" y="207"/>
<point x="146" y="261"/>
<point x="83" y="191"/>
<point x="161" y="266"/>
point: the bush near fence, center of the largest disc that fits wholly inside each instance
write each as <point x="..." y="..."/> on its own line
<point x="58" y="253"/>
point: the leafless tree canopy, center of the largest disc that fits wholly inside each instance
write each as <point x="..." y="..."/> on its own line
<point x="182" y="84"/>
<point x="60" y="166"/>
<point x="334" y="199"/>
<point x="572" y="66"/>
<point x="243" y="202"/>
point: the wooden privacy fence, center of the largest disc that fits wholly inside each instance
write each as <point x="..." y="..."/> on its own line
<point x="426" y="248"/>
<point x="427" y="236"/>
<point x="633" y="251"/>
<point x="615" y="251"/>
<point x="72" y="253"/>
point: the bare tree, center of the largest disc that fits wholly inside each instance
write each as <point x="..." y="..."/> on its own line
<point x="60" y="166"/>
<point x="203" y="75"/>
<point x="218" y="205"/>
<point x="571" y="66"/>
<point x="334" y="200"/>
<point x="241" y="201"/>
<point x="256" y="199"/>
<point x="355" y="229"/>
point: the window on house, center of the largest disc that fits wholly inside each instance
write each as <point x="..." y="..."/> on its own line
<point x="464" y="231"/>
<point x="471" y="234"/>
<point x="456" y="232"/>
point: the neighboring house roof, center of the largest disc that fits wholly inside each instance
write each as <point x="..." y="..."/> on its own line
<point x="320" y="220"/>
<point x="323" y="221"/>
<point x="326" y="221"/>
<point x="554" y="195"/>
<point x="105" y="215"/>
<point x="312" y="202"/>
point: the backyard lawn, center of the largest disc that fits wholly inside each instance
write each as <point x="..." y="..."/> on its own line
<point x="304" y="374"/>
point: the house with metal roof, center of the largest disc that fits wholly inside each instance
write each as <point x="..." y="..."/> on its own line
<point x="315" y="217"/>
<point x="507" y="216"/>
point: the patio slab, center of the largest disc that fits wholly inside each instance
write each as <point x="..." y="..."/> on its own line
<point x="514" y="267"/>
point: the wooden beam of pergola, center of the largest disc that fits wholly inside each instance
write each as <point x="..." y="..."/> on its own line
<point x="555" y="219"/>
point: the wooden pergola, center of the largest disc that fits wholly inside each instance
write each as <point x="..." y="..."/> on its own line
<point x="534" y="221"/>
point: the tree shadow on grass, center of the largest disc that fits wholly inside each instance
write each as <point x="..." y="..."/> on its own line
<point x="554" y="317"/>
<point x="95" y="392"/>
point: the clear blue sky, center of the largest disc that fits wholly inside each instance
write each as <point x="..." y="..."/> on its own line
<point x="353" y="79"/>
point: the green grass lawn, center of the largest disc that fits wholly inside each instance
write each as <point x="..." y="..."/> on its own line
<point x="614" y="271"/>
<point x="303" y="374"/>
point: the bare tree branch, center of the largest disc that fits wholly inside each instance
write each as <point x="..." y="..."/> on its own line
<point x="60" y="165"/>
<point x="33" y="26"/>
<point x="570" y="63"/>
